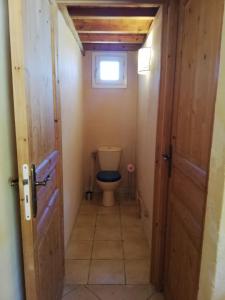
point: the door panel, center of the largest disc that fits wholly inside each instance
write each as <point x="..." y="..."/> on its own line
<point x="38" y="143"/>
<point x="199" y="34"/>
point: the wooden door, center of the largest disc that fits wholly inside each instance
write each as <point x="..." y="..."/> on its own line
<point x="199" y="34"/>
<point x="38" y="146"/>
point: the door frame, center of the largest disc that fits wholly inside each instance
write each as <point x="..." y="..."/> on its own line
<point x="163" y="141"/>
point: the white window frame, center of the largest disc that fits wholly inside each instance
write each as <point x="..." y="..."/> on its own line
<point x="97" y="57"/>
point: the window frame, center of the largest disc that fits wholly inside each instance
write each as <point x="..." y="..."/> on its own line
<point x="97" y="57"/>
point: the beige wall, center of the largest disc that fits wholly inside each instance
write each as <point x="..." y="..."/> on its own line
<point x="110" y="116"/>
<point x="11" y="284"/>
<point x="70" y="75"/>
<point x="147" y="123"/>
<point x="212" y="278"/>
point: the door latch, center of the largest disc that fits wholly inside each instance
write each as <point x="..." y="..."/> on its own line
<point x="168" y="158"/>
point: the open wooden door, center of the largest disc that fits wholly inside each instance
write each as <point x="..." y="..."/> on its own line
<point x="199" y="35"/>
<point x="38" y="147"/>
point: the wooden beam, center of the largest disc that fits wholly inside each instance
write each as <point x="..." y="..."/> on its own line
<point x="77" y="11"/>
<point x="111" y="47"/>
<point x="112" y="25"/>
<point x="113" y="3"/>
<point x="112" y="38"/>
<point x="70" y="24"/>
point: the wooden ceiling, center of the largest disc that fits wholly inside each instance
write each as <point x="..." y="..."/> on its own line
<point x="112" y="28"/>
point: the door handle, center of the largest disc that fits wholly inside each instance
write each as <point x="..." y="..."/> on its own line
<point x="34" y="185"/>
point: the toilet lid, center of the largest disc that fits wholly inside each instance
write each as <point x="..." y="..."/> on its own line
<point x="108" y="176"/>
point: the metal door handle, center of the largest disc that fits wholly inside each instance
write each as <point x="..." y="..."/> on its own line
<point x="44" y="182"/>
<point x="34" y="184"/>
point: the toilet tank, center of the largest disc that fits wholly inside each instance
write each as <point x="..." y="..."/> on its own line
<point x="109" y="158"/>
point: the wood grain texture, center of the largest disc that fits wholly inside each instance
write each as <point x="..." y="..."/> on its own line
<point x="112" y="38"/>
<point x="111" y="3"/>
<point x="169" y="40"/>
<point x="199" y="38"/>
<point x="119" y="25"/>
<point x="75" y="11"/>
<point x="35" y="116"/>
<point x="111" y="47"/>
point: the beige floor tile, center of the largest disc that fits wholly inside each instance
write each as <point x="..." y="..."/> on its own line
<point x="129" y="210"/>
<point x="107" y="272"/>
<point x="103" y="210"/>
<point x="137" y="271"/>
<point x="79" y="249"/>
<point x="83" y="233"/>
<point x="85" y="220"/>
<point x="127" y="202"/>
<point x="107" y="250"/>
<point x="131" y="220"/>
<point x="76" y="271"/>
<point x="122" y="292"/>
<point x="136" y="249"/>
<point x="80" y="293"/>
<point x="68" y="288"/>
<point x="108" y="233"/>
<point x="157" y="296"/>
<point x="133" y="233"/>
<point x="108" y="220"/>
<point x="88" y="209"/>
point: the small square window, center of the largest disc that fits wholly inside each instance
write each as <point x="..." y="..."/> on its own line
<point x="109" y="70"/>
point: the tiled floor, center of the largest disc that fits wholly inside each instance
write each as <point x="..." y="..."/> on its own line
<point x="108" y="255"/>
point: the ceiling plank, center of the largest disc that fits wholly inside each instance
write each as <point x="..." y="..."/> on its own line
<point x="112" y="38"/>
<point x="112" y="25"/>
<point x="75" y="11"/>
<point x="113" y="3"/>
<point x="111" y="47"/>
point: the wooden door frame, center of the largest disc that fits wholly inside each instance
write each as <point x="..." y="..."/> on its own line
<point x="163" y="140"/>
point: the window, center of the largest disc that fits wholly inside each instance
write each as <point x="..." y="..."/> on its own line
<point x="109" y="70"/>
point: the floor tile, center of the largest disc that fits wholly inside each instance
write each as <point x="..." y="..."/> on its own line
<point x="122" y="292"/>
<point x="79" y="250"/>
<point x="129" y="210"/>
<point x="157" y="296"/>
<point x="108" y="233"/>
<point x="85" y="220"/>
<point x="128" y="202"/>
<point x="107" y="250"/>
<point x="107" y="272"/>
<point x="103" y="210"/>
<point x="83" y="233"/>
<point x="108" y="220"/>
<point x="137" y="271"/>
<point x="133" y="233"/>
<point x="130" y="220"/>
<point x="80" y="293"/>
<point x="136" y="249"/>
<point x="68" y="288"/>
<point x="76" y="271"/>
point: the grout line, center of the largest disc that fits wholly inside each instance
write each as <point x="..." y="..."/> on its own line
<point x="93" y="293"/>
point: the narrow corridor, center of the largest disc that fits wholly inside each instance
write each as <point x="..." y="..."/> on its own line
<point x="108" y="255"/>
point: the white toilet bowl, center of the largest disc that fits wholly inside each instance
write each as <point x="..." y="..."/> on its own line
<point x="108" y="189"/>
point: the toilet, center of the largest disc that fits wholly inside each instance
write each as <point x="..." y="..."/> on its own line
<point x="108" y="178"/>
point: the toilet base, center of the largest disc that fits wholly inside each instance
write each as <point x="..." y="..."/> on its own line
<point x="108" y="198"/>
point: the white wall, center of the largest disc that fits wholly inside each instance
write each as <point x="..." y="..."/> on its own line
<point x="149" y="85"/>
<point x="110" y="117"/>
<point x="11" y="282"/>
<point x="212" y="278"/>
<point x="70" y="76"/>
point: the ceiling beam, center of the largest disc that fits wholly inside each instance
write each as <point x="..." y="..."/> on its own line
<point x="117" y="3"/>
<point x="112" y="38"/>
<point x="71" y="26"/>
<point x="111" y="47"/>
<point x="75" y="11"/>
<point x="112" y="26"/>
